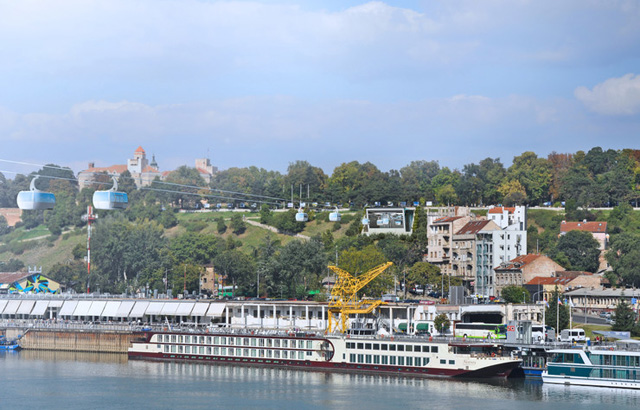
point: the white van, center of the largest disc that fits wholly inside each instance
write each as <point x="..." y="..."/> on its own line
<point x="538" y="334"/>
<point x="572" y="335"/>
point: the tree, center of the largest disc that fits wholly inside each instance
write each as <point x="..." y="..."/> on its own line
<point x="12" y="265"/>
<point x="581" y="249"/>
<point x="237" y="268"/>
<point x="533" y="173"/>
<point x="513" y="192"/>
<point x="515" y="294"/>
<point x="624" y="257"/>
<point x="557" y="315"/>
<point x="220" y="225"/>
<point x="300" y="267"/>
<point x="625" y="317"/>
<point x="423" y="273"/>
<point x="238" y="226"/>
<point x="442" y="323"/>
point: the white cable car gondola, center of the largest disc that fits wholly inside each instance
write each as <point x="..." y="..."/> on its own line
<point x="335" y="216"/>
<point x="365" y="221"/>
<point x="110" y="199"/>
<point x="34" y="199"/>
<point x="301" y="216"/>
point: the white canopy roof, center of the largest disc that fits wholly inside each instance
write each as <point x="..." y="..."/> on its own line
<point x="25" y="307"/>
<point x="40" y="308"/>
<point x="154" y="308"/>
<point x="3" y="304"/>
<point x="83" y="308"/>
<point x="11" y="308"/>
<point x="68" y="307"/>
<point x="111" y="309"/>
<point x="200" y="309"/>
<point x="185" y="308"/>
<point x="125" y="308"/>
<point x="55" y="303"/>
<point x="169" y="308"/>
<point x="97" y="307"/>
<point x="139" y="309"/>
<point x="216" y="309"/>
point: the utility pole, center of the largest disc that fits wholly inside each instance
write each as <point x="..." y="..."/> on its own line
<point x="185" y="278"/>
<point x="90" y="218"/>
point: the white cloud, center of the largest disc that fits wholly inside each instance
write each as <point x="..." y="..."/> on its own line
<point x="615" y="96"/>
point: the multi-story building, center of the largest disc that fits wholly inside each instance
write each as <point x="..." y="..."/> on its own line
<point x="523" y="269"/>
<point x="465" y="249"/>
<point x="440" y="241"/>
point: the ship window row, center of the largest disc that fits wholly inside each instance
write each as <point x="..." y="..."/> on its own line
<point x="615" y="374"/>
<point x="388" y="360"/>
<point x="237" y="341"/>
<point x="238" y="352"/>
<point x="615" y="360"/>
<point x="392" y="347"/>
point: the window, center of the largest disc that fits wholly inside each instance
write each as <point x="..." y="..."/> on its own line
<point x="418" y="361"/>
<point x="452" y="362"/>
<point x="409" y="348"/>
<point x="352" y="357"/>
<point x="300" y="355"/>
<point x="384" y="347"/>
<point x="367" y="346"/>
<point x="392" y="360"/>
<point x="376" y="359"/>
<point x="385" y="359"/>
<point x="401" y="348"/>
<point x="360" y="358"/>
<point x="409" y="361"/>
<point x="434" y="349"/>
<point x="360" y="345"/>
<point x="400" y="360"/>
<point x="392" y="348"/>
<point x="443" y="361"/>
<point x="376" y="346"/>
<point x="368" y="359"/>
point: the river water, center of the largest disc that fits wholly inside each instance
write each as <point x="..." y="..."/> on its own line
<point x="58" y="380"/>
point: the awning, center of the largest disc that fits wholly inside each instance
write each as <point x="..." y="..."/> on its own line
<point x="82" y="309"/>
<point x="11" y="308"/>
<point x="422" y="326"/>
<point x="216" y="309"/>
<point x="169" y="308"/>
<point x="184" y="309"/>
<point x="139" y="309"/>
<point x="154" y="308"/>
<point x="200" y="309"/>
<point x="3" y="304"/>
<point x="111" y="309"/>
<point x="55" y="303"/>
<point x="96" y="308"/>
<point x="25" y="307"/>
<point x="40" y="308"/>
<point x="402" y="326"/>
<point x="125" y="308"/>
<point x="68" y="307"/>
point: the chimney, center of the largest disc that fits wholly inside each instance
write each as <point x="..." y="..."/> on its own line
<point x="92" y="164"/>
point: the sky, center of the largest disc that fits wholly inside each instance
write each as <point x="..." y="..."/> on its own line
<point x="267" y="83"/>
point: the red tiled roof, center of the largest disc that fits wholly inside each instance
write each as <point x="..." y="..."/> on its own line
<point x="473" y="227"/>
<point x="519" y="262"/>
<point x="593" y="227"/>
<point x="446" y="219"/>
<point x="572" y="274"/>
<point x="540" y="280"/>
<point x="11" y="277"/>
<point x="500" y="209"/>
<point x="139" y="150"/>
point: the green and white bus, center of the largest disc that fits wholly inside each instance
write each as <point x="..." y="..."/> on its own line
<point x="481" y="330"/>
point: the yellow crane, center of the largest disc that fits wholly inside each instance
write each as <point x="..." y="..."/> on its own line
<point x="344" y="293"/>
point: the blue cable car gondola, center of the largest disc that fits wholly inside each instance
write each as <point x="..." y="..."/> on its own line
<point x="34" y="199"/>
<point x="335" y="216"/>
<point x="301" y="216"/>
<point x="110" y="199"/>
<point x="365" y="221"/>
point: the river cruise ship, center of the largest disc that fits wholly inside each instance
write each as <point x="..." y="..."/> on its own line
<point x="611" y="367"/>
<point x="415" y="356"/>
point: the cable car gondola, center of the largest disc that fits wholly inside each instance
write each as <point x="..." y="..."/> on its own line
<point x="110" y="199"/>
<point x="34" y="199"/>
<point x="301" y="216"/>
<point x="365" y="221"/>
<point x="335" y="216"/>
